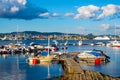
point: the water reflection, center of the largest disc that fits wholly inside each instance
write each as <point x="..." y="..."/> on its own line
<point x="16" y="68"/>
<point x="9" y="70"/>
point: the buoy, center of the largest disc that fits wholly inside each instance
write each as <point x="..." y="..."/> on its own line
<point x="35" y="61"/>
<point x="97" y="61"/>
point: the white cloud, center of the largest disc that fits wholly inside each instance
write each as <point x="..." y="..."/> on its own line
<point x="109" y="10"/>
<point x="86" y="12"/>
<point x="69" y="14"/>
<point x="20" y="9"/>
<point x="91" y="11"/>
<point x="44" y="14"/>
<point x="23" y="2"/>
<point x="49" y="15"/>
<point x="55" y="15"/>
<point x="14" y="9"/>
<point x="104" y="27"/>
<point x="8" y="6"/>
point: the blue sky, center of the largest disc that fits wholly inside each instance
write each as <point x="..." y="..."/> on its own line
<point x="69" y="16"/>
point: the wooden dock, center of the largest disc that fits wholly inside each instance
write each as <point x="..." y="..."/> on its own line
<point x="74" y="71"/>
<point x="71" y="66"/>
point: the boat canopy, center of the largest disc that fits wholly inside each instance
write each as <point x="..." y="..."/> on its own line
<point x="95" y="53"/>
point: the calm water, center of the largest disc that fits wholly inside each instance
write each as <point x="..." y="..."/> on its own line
<point x="16" y="68"/>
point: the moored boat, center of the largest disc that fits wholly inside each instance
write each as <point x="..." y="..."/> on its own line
<point x="114" y="43"/>
<point x="43" y="57"/>
<point x="102" y="38"/>
<point x="80" y="43"/>
<point x="40" y="58"/>
<point x="100" y="44"/>
<point x="93" y="55"/>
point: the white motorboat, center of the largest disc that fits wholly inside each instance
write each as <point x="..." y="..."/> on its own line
<point x="92" y="55"/>
<point x="80" y="43"/>
<point x="114" y="43"/>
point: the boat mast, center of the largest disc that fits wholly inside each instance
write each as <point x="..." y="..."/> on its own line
<point x="48" y="46"/>
<point x="17" y="34"/>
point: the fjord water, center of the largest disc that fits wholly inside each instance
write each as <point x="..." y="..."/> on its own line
<point x="12" y="69"/>
<point x="16" y="68"/>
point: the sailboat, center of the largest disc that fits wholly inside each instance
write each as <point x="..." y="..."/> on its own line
<point x="49" y="57"/>
<point x="41" y="58"/>
<point x="114" y="43"/>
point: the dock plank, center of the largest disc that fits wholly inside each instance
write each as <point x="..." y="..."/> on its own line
<point x="75" y="66"/>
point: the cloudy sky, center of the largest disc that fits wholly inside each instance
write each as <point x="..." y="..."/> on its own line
<point x="69" y="16"/>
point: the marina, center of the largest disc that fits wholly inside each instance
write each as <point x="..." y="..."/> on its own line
<point x="69" y="57"/>
<point x="59" y="40"/>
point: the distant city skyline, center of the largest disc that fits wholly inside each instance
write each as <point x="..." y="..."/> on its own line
<point x="67" y="16"/>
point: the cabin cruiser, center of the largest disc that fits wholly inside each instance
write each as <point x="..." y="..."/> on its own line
<point x="92" y="55"/>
